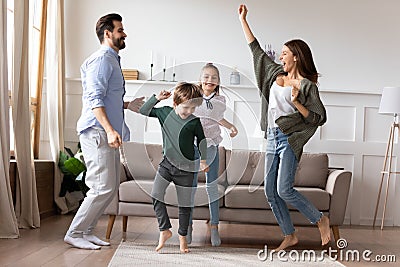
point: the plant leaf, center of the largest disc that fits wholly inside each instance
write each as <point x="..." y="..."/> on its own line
<point x="75" y="166"/>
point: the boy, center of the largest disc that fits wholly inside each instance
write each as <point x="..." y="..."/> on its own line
<point x="179" y="130"/>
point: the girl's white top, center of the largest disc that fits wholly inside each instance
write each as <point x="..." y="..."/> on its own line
<point x="210" y="115"/>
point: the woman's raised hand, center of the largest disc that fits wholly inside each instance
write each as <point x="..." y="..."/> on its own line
<point x="242" y="12"/>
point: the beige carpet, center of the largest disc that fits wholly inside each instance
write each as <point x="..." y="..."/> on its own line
<point x="135" y="254"/>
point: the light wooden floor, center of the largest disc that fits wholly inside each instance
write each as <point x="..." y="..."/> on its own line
<point x="45" y="246"/>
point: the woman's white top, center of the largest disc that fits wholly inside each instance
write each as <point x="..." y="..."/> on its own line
<point x="210" y="112"/>
<point x="279" y="104"/>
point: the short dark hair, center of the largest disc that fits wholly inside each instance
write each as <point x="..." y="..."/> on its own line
<point x="185" y="91"/>
<point x="106" y="23"/>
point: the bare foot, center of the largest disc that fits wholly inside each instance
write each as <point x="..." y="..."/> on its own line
<point x="288" y="241"/>
<point x="324" y="229"/>
<point x="164" y="236"/>
<point x="183" y="246"/>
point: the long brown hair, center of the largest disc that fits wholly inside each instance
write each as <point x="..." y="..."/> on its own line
<point x="305" y="62"/>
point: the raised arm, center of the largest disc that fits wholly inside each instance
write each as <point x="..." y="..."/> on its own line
<point x="147" y="108"/>
<point x="245" y="26"/>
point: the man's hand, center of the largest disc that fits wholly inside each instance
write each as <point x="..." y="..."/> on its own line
<point x="114" y="139"/>
<point x="135" y="104"/>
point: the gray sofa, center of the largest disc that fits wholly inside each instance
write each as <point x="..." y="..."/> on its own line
<point x="240" y="186"/>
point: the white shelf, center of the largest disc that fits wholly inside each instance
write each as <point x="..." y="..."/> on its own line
<point x="239" y="86"/>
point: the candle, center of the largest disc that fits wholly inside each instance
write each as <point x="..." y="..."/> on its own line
<point x="165" y="62"/>
<point x="173" y="66"/>
<point x="151" y="57"/>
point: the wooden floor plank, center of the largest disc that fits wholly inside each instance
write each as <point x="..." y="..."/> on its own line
<point x="45" y="246"/>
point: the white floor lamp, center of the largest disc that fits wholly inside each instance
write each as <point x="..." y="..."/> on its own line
<point x="390" y="104"/>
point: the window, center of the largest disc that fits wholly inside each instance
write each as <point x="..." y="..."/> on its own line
<point x="35" y="47"/>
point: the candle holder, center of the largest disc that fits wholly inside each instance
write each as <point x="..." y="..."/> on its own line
<point x="163" y="79"/>
<point x="173" y="77"/>
<point x="151" y="72"/>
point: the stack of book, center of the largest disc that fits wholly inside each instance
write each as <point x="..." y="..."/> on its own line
<point x="130" y="74"/>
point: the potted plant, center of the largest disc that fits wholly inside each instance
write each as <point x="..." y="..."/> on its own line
<point x="74" y="170"/>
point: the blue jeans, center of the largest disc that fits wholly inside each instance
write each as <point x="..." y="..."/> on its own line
<point x="211" y="182"/>
<point x="280" y="169"/>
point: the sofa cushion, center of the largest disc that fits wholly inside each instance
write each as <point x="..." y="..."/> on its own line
<point x="136" y="191"/>
<point x="200" y="199"/>
<point x="312" y="171"/>
<point x="140" y="191"/>
<point x="245" y="167"/>
<point x="141" y="160"/>
<point x="253" y="197"/>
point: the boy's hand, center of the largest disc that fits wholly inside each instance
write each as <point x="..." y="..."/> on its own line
<point x="163" y="95"/>
<point x="203" y="166"/>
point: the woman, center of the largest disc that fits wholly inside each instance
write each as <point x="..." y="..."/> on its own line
<point x="291" y="113"/>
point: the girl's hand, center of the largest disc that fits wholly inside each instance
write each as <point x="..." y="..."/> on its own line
<point x="234" y="131"/>
<point x="163" y="95"/>
<point x="242" y="12"/>
<point x="203" y="166"/>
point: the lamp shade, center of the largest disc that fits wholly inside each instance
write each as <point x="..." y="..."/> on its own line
<point x="390" y="101"/>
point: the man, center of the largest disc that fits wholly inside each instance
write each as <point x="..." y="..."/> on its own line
<point x="100" y="128"/>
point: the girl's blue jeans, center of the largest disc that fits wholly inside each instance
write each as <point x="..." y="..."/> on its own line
<point x="280" y="170"/>
<point x="211" y="183"/>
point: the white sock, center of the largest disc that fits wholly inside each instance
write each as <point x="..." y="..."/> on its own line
<point x="215" y="239"/>
<point x="94" y="239"/>
<point x="80" y="242"/>
<point x="189" y="234"/>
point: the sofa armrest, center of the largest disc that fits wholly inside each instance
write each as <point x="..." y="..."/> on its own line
<point x="124" y="174"/>
<point x="338" y="186"/>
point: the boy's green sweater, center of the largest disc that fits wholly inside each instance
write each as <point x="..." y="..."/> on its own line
<point x="178" y="134"/>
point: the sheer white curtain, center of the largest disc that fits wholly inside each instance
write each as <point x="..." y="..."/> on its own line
<point x="26" y="207"/>
<point x="55" y="94"/>
<point x="8" y="221"/>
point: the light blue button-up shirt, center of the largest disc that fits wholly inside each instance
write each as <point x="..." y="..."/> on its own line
<point x="103" y="86"/>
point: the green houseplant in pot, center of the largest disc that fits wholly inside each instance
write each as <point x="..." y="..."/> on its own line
<point x="74" y="170"/>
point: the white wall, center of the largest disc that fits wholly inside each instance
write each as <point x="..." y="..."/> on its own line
<point x="355" y="45"/>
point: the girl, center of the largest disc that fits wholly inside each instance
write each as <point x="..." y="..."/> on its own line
<point x="291" y="113"/>
<point x="211" y="114"/>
